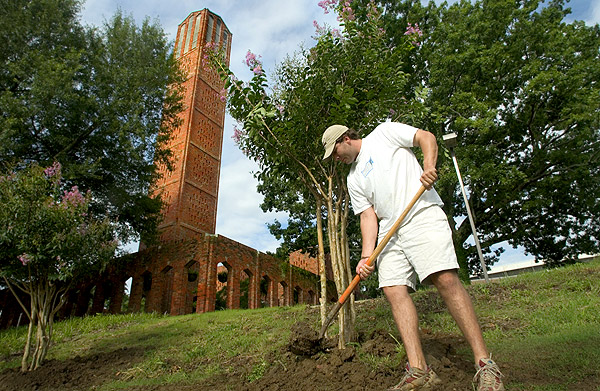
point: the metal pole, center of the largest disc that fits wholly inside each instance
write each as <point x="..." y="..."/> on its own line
<point x="462" y="188"/>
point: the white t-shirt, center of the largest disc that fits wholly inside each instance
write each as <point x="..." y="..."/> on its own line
<point x="386" y="175"/>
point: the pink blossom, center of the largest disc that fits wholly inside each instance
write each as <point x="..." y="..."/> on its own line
<point x="327" y="5"/>
<point x="319" y="30"/>
<point x="223" y="95"/>
<point x="24" y="258"/>
<point x="347" y="13"/>
<point x="82" y="229"/>
<point x="237" y="135"/>
<point x="251" y="59"/>
<point x="373" y="12"/>
<point x="414" y="32"/>
<point x="410" y="30"/>
<point x="52" y="170"/>
<point x="73" y="197"/>
<point x="254" y="63"/>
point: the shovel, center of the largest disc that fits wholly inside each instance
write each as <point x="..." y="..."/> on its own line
<point x="370" y="261"/>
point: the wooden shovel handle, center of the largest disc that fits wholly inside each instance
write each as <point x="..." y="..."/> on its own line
<point x="376" y="252"/>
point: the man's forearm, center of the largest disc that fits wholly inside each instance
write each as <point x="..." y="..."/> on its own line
<point x="428" y="144"/>
<point x="368" y="227"/>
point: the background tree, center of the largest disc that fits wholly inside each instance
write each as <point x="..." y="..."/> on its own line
<point x="519" y="87"/>
<point x="96" y="100"/>
<point x="352" y="77"/>
<point x="48" y="242"/>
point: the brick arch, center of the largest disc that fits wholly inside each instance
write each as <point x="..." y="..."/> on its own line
<point x="283" y="294"/>
<point x="247" y="290"/>
<point x="266" y="296"/>
<point x="222" y="277"/>
<point x="298" y="295"/>
<point x="166" y="286"/>
<point x="311" y="297"/>
<point x="191" y="277"/>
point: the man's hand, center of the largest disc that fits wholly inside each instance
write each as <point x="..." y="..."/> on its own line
<point x="429" y="177"/>
<point x="364" y="270"/>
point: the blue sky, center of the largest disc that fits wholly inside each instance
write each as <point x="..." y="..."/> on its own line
<point x="272" y="29"/>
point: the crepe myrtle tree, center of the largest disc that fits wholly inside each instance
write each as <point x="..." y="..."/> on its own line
<point x="48" y="241"/>
<point x="350" y="76"/>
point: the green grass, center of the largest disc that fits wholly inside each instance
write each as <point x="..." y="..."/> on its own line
<point x="542" y="327"/>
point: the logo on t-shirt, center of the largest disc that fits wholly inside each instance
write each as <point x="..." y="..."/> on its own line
<point x="368" y="167"/>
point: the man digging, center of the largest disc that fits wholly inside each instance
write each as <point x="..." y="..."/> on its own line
<point x="384" y="176"/>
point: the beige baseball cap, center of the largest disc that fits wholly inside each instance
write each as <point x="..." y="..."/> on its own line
<point x="330" y="136"/>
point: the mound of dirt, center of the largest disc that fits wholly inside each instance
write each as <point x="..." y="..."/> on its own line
<point x="305" y="341"/>
<point x="342" y="370"/>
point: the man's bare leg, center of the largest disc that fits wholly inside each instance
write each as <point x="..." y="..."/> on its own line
<point x="407" y="321"/>
<point x="461" y="308"/>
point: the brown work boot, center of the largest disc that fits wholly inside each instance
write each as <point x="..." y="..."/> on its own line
<point x="488" y="376"/>
<point x="416" y="379"/>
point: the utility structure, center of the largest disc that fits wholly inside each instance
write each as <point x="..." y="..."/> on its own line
<point x="450" y="141"/>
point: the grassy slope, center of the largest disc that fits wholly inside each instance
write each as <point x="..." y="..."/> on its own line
<point x="542" y="328"/>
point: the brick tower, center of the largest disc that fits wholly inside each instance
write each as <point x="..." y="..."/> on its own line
<point x="190" y="191"/>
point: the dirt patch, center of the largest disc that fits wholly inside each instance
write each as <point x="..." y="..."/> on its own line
<point x="77" y="373"/>
<point x="342" y="369"/>
<point x="305" y="341"/>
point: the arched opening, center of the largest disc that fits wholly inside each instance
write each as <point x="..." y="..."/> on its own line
<point x="221" y="286"/>
<point x="107" y="295"/>
<point x="265" y="292"/>
<point x="92" y="309"/>
<point x="282" y="294"/>
<point x="311" y="297"/>
<point x="191" y="293"/>
<point x="166" y="275"/>
<point x="126" y="295"/>
<point x="298" y="295"/>
<point x="245" y="282"/>
<point x="146" y="287"/>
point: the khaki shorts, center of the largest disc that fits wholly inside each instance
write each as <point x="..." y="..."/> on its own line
<point x="420" y="248"/>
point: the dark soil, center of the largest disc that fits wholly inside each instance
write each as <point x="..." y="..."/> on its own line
<point x="342" y="370"/>
<point x="304" y="341"/>
<point x="77" y="373"/>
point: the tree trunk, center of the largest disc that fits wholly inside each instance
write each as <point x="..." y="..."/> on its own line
<point x="27" y="349"/>
<point x="322" y="265"/>
<point x="340" y="265"/>
<point x="44" y="306"/>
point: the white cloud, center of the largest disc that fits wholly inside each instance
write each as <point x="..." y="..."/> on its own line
<point x="238" y="214"/>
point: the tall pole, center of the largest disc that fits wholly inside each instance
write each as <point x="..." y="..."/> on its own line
<point x="450" y="140"/>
